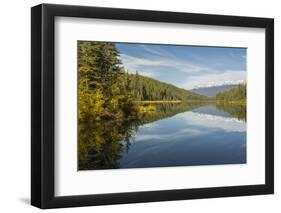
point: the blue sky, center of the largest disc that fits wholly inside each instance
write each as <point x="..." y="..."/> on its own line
<point x="185" y="66"/>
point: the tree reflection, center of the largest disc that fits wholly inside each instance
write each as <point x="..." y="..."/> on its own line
<point x="101" y="143"/>
<point x="236" y="110"/>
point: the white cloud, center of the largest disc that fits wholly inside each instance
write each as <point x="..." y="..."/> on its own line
<point x="227" y="77"/>
<point x="197" y="75"/>
<point x="142" y="136"/>
<point x="157" y="50"/>
<point x="135" y="63"/>
<point x="213" y="121"/>
<point x="197" y="122"/>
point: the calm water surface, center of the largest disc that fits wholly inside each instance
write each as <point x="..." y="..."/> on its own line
<point x="181" y="134"/>
<point x="205" y="135"/>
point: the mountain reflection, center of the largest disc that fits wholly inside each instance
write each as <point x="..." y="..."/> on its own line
<point x="175" y="134"/>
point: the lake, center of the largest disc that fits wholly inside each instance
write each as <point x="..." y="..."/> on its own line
<point x="178" y="134"/>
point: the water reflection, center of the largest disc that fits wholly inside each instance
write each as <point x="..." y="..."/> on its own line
<point x="179" y="134"/>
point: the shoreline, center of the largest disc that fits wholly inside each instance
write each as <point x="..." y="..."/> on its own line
<point x="240" y="102"/>
<point x="157" y="101"/>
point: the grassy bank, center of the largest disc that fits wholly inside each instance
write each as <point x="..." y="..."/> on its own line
<point x="157" y="101"/>
<point x="174" y="101"/>
<point x="151" y="106"/>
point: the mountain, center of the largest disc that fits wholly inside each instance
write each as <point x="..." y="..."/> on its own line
<point x="213" y="90"/>
<point x="146" y="88"/>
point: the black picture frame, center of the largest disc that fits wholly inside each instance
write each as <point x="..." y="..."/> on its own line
<point x="43" y="102"/>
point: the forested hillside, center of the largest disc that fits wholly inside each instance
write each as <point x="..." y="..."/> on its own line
<point x="146" y="88"/>
<point x="237" y="94"/>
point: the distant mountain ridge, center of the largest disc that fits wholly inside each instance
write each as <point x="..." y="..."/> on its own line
<point x="213" y="90"/>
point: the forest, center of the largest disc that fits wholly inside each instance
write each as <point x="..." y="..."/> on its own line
<point x="98" y="68"/>
<point x="145" y="88"/>
<point x="234" y="95"/>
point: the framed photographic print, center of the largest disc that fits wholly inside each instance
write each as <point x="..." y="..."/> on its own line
<point x="139" y="106"/>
